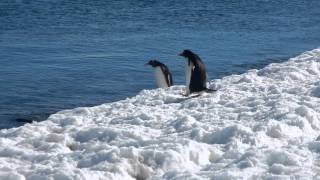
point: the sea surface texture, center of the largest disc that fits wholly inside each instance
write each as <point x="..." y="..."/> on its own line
<point x="58" y="54"/>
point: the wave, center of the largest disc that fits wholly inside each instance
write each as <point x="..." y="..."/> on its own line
<point x="260" y="124"/>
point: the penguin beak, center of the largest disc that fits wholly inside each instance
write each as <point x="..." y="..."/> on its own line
<point x="146" y="64"/>
<point x="181" y="54"/>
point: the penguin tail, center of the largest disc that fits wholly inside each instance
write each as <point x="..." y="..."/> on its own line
<point x="210" y="90"/>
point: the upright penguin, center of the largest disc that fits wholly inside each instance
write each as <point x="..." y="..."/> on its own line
<point x="162" y="74"/>
<point x="196" y="76"/>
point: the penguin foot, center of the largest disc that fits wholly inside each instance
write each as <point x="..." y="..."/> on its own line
<point x="185" y="95"/>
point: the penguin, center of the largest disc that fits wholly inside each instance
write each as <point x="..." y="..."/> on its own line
<point x="196" y="76"/>
<point x="162" y="74"/>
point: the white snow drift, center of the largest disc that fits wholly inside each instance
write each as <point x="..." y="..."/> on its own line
<point x="262" y="124"/>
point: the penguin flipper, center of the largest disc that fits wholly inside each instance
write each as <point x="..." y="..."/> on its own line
<point x="197" y="81"/>
<point x="168" y="75"/>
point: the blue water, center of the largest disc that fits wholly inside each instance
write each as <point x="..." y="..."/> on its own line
<point x="58" y="54"/>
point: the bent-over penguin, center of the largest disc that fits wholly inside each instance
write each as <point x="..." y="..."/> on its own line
<point x="162" y="74"/>
<point x="196" y="76"/>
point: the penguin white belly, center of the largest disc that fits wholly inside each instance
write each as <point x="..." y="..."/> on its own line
<point x="160" y="78"/>
<point x="188" y="69"/>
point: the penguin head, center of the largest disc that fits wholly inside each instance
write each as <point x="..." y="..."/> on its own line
<point x="153" y="63"/>
<point x="186" y="53"/>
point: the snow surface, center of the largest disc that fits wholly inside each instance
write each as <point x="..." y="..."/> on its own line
<point x="262" y="124"/>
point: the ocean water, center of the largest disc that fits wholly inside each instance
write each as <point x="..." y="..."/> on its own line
<point x="57" y="54"/>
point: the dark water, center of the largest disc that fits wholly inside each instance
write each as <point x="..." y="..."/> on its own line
<point x="58" y="54"/>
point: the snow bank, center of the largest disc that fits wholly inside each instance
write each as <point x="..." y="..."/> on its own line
<point x="262" y="124"/>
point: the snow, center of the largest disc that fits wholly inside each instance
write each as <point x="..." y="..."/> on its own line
<point x="263" y="124"/>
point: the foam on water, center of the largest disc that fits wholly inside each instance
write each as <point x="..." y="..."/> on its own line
<point x="261" y="124"/>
